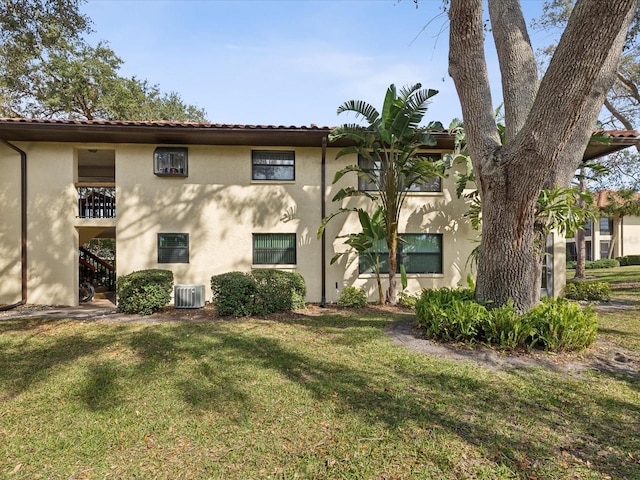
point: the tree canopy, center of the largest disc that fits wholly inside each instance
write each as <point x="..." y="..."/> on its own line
<point x="49" y="70"/>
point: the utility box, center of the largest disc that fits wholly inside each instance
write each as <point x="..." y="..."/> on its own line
<point x="188" y="296"/>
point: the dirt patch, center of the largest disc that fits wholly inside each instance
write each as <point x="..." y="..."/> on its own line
<point x="603" y="356"/>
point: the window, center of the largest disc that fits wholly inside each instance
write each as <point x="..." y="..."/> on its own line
<point x="434" y="185"/>
<point x="274" y="248"/>
<point x="273" y="165"/>
<point x="587" y="228"/>
<point x="604" y="248"/>
<point x="418" y="252"/>
<point x="606" y="225"/>
<point x="173" y="248"/>
<point x="170" y="162"/>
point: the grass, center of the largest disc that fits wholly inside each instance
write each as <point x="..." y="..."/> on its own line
<point x="301" y="397"/>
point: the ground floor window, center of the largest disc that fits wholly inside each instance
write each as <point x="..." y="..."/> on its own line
<point x="418" y="252"/>
<point x="274" y="248"/>
<point x="173" y="248"/>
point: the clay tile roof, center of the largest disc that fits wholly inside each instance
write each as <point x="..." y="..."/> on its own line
<point x="605" y="197"/>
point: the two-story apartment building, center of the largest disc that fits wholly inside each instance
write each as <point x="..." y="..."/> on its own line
<point x="611" y="235"/>
<point x="204" y="199"/>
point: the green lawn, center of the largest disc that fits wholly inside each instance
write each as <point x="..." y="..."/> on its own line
<point x="304" y="397"/>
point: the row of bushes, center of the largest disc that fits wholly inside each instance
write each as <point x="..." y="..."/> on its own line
<point x="259" y="292"/>
<point x="608" y="262"/>
<point x="555" y="324"/>
<point x="594" y="264"/>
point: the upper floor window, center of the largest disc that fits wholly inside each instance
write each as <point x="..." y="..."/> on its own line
<point x="274" y="165"/>
<point x="173" y="248"/>
<point x="434" y="185"/>
<point x="587" y="228"/>
<point x="606" y="225"/>
<point x="170" y="161"/>
<point x="418" y="252"/>
<point x="274" y="248"/>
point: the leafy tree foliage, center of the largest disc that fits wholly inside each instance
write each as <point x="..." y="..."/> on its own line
<point x="622" y="103"/>
<point x="48" y="70"/>
<point x="391" y="142"/>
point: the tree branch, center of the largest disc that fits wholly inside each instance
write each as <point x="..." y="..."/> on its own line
<point x="517" y="62"/>
<point x="467" y="67"/>
<point x="619" y="116"/>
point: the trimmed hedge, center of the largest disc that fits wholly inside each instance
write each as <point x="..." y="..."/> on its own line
<point x="554" y="324"/>
<point x="629" y="260"/>
<point x="259" y="292"/>
<point x="145" y="291"/>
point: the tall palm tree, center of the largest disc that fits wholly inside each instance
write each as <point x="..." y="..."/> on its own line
<point x="390" y="145"/>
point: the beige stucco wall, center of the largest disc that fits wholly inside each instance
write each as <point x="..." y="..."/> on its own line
<point x="630" y="236"/>
<point x="218" y="205"/>
<point x="51" y="211"/>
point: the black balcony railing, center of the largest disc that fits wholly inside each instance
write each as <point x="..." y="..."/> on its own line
<point x="96" y="201"/>
<point x="96" y="270"/>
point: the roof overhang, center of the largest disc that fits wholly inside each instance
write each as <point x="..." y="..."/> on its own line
<point x="175" y="133"/>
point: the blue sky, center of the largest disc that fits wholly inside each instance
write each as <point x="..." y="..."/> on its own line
<point x="286" y="62"/>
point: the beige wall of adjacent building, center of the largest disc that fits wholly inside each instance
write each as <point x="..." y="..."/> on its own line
<point x="218" y="205"/>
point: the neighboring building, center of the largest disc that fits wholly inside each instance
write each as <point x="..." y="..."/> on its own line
<point x="622" y="231"/>
<point x="204" y="199"/>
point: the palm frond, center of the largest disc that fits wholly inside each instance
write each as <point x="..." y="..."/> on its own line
<point x="361" y="109"/>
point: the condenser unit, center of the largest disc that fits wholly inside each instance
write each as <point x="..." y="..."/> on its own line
<point x="188" y="296"/>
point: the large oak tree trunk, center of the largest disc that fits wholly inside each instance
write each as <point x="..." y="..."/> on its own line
<point x="547" y="126"/>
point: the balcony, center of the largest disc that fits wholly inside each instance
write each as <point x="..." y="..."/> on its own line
<point x="96" y="199"/>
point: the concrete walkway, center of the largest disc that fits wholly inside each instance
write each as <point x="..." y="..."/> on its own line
<point x="97" y="308"/>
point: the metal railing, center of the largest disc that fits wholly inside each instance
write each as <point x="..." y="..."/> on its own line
<point x="96" y="270"/>
<point x="96" y="200"/>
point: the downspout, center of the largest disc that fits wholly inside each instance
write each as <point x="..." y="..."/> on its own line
<point x="23" y="226"/>
<point x="323" y="210"/>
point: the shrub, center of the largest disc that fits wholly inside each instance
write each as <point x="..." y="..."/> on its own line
<point x="590" y="291"/>
<point x="352" y="297"/>
<point x="144" y="291"/>
<point x="560" y="324"/>
<point x="555" y="324"/>
<point x="260" y="292"/>
<point x="624" y="261"/>
<point x="408" y="300"/>
<point x="633" y="259"/>
<point x="435" y="313"/>
<point x="594" y="264"/>
<point x="505" y="328"/>
<point x="277" y="291"/>
<point x="233" y="294"/>
<point x="605" y="263"/>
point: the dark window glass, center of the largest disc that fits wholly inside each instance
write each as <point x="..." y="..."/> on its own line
<point x="170" y="161"/>
<point x="434" y="184"/>
<point x="173" y="248"/>
<point x="418" y="252"/>
<point x="273" y="165"/>
<point x="587" y="228"/>
<point x="606" y="225"/>
<point x="604" y="248"/>
<point x="274" y="248"/>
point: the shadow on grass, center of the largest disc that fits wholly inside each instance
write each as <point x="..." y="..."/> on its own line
<point x="508" y="416"/>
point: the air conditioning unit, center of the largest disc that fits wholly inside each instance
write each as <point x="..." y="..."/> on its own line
<point x="188" y="296"/>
